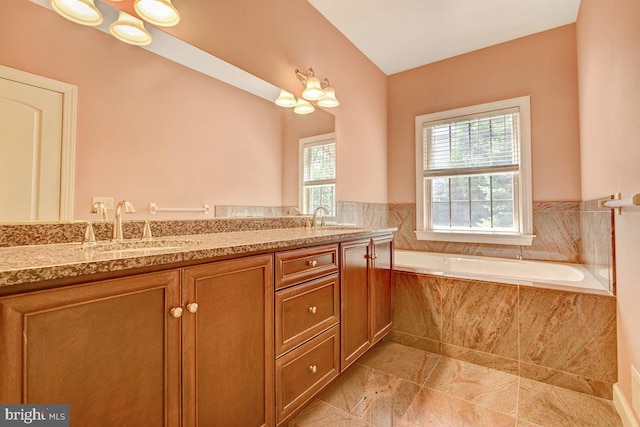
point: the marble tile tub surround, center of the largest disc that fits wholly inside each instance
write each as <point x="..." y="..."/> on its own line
<point x="396" y="385"/>
<point x="555" y="224"/>
<point x="567" y="339"/>
<point x="597" y="245"/>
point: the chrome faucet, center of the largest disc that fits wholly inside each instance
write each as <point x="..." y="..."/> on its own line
<point x="117" y="222"/>
<point x="99" y="208"/>
<point x="314" y="219"/>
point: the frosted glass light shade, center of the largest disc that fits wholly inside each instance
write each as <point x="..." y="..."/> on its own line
<point x="158" y="12"/>
<point x="329" y="99"/>
<point x="286" y="99"/>
<point x="82" y="12"/>
<point x="314" y="90"/>
<point x="303" y="107"/>
<point x="130" y="29"/>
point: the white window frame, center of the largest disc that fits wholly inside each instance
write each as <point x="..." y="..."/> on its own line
<point x="309" y="142"/>
<point x="524" y="236"/>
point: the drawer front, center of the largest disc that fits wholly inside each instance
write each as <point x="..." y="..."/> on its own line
<point x="302" y="373"/>
<point x="299" y="265"/>
<point x="305" y="310"/>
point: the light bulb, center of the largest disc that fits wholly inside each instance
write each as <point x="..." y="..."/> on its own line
<point x="314" y="90"/>
<point x="159" y="12"/>
<point x="329" y="99"/>
<point x="130" y="29"/>
<point x="82" y="12"/>
<point x="286" y="99"/>
<point x="303" y="107"/>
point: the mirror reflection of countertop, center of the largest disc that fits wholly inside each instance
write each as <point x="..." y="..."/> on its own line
<point x="36" y="263"/>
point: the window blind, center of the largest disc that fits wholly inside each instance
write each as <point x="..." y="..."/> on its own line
<point x="476" y="145"/>
<point x="320" y="163"/>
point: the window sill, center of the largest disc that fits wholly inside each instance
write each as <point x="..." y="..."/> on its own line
<point x="488" y="238"/>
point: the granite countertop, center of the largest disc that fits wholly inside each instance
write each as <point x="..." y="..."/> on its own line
<point x="25" y="264"/>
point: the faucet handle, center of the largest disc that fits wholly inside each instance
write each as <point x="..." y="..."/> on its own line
<point x="146" y="231"/>
<point x="89" y="238"/>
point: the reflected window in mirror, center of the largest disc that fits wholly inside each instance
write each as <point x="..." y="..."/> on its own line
<point x="318" y="173"/>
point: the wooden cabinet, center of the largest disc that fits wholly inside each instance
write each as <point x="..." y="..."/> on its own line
<point x="307" y="307"/>
<point x="304" y="311"/>
<point x="298" y="265"/>
<point x="367" y="295"/>
<point x="231" y="343"/>
<point x="138" y="351"/>
<point x="109" y="349"/>
<point x="228" y="355"/>
<point x="303" y="372"/>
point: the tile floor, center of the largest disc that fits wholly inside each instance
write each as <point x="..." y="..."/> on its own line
<point x="400" y="386"/>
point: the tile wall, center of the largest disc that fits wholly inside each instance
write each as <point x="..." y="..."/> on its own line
<point x="555" y="224"/>
<point x="597" y="245"/>
<point x="562" y="338"/>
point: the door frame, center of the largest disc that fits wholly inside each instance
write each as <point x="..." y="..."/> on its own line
<point x="69" y="94"/>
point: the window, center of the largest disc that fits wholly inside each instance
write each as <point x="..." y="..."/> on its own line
<point x="318" y="173"/>
<point x="473" y="174"/>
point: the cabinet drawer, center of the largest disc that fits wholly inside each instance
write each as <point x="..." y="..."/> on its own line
<point x="303" y="311"/>
<point x="303" y="264"/>
<point x="303" y="372"/>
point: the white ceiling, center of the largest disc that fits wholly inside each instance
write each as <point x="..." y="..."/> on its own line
<point x="398" y="35"/>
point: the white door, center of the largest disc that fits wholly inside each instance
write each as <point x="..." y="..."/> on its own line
<point x="31" y="120"/>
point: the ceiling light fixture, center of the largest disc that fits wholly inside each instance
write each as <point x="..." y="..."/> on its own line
<point x="82" y="12"/>
<point x="130" y="29"/>
<point x="159" y="12"/>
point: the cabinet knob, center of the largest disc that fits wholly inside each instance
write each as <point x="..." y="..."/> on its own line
<point x="313" y="309"/>
<point x="313" y="369"/>
<point x="192" y="307"/>
<point x="312" y="263"/>
<point x="176" y="312"/>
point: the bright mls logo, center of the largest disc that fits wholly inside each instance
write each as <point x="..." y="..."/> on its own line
<point x="34" y="415"/>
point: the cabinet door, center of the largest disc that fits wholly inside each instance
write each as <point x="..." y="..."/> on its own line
<point x="355" y="324"/>
<point x="381" y="288"/>
<point x="228" y="344"/>
<point x="108" y="349"/>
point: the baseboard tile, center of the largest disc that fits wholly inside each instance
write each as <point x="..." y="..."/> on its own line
<point x="623" y="408"/>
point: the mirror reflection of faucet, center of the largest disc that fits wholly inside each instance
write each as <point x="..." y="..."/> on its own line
<point x="99" y="208"/>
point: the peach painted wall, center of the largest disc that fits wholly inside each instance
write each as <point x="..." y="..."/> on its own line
<point x="149" y="129"/>
<point x="542" y="65"/>
<point x="271" y="38"/>
<point x="608" y="35"/>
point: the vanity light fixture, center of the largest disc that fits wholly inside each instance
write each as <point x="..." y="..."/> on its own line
<point x="82" y="12"/>
<point x="158" y="12"/>
<point x="315" y="90"/>
<point x="286" y="99"/>
<point x="303" y="107"/>
<point x="130" y="29"/>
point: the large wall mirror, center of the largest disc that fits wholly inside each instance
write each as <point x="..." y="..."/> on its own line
<point x="185" y="144"/>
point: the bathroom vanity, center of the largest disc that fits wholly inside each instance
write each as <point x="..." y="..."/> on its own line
<point x="243" y="338"/>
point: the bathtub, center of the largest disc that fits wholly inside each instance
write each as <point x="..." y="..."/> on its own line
<point x="554" y="275"/>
